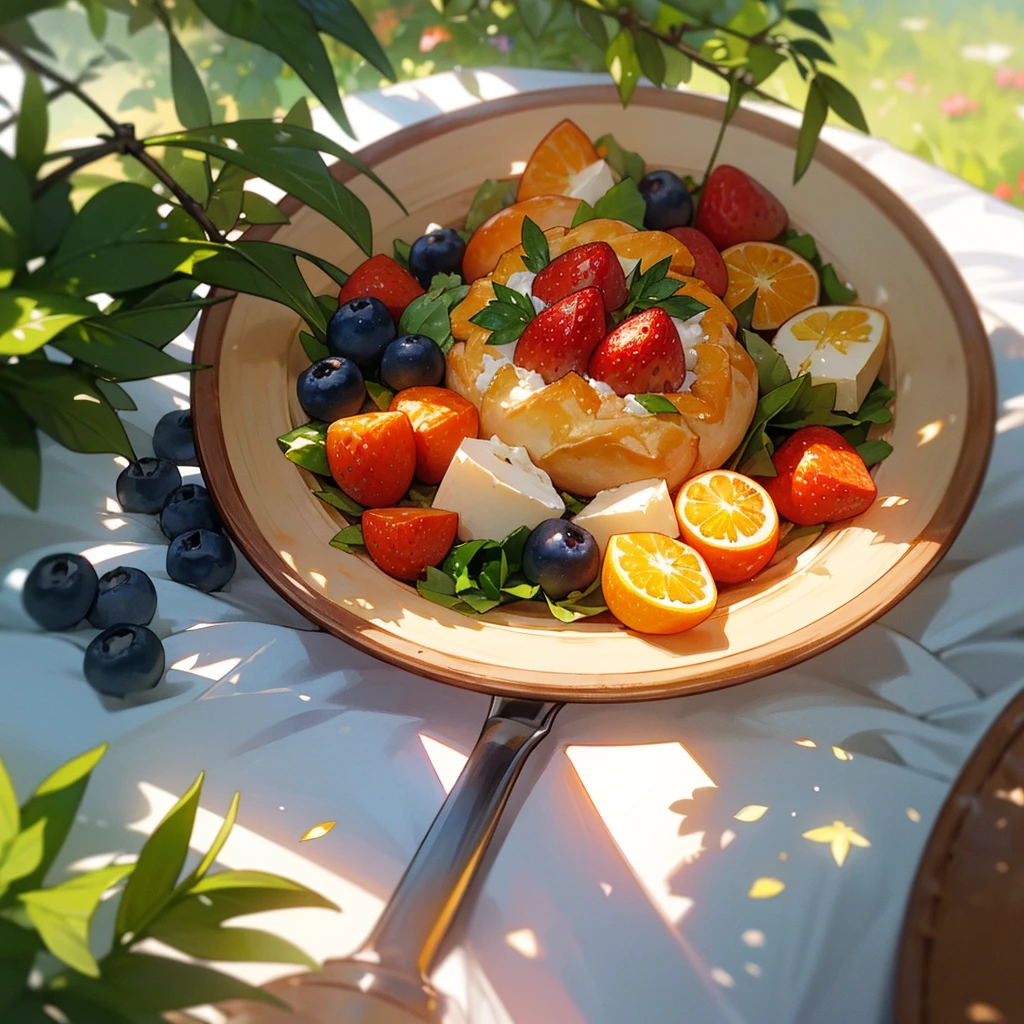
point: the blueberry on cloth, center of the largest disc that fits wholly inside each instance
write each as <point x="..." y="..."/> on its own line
<point x="125" y="596"/>
<point x="173" y="439"/>
<point x="60" y="590"/>
<point x="188" y="508"/>
<point x="143" y="485"/>
<point x="201" y="559"/>
<point x="124" y="659"/>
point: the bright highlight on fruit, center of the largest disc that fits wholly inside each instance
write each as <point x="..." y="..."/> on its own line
<point x="731" y="521"/>
<point x="654" y="584"/>
<point x="563" y="152"/>
<point x="786" y="283"/>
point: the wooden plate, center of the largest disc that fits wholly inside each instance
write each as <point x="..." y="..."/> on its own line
<point x="942" y="430"/>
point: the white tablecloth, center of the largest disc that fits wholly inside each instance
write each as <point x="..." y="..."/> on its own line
<point x="601" y="903"/>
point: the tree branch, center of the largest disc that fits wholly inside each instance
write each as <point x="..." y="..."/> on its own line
<point x="77" y="160"/>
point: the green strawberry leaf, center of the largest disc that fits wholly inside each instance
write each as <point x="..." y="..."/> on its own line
<point x="656" y="403"/>
<point x="536" y="254"/>
<point x="505" y="316"/>
<point x="348" y="539"/>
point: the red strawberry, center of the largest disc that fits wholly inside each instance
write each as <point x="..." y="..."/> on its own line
<point x="594" y="264"/>
<point x="821" y="478"/>
<point x="404" y="541"/>
<point x="372" y="456"/>
<point x="559" y="339"/>
<point x="734" y="208"/>
<point x="708" y="264"/>
<point x="382" y="278"/>
<point x="642" y="354"/>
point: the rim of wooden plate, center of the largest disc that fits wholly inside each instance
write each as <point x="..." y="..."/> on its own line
<point x="920" y="557"/>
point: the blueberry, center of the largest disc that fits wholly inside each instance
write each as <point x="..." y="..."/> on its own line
<point x="124" y="659"/>
<point x="125" y="595"/>
<point x="561" y="557"/>
<point x="668" y="201"/>
<point x="188" y="508"/>
<point x="436" y="252"/>
<point x="360" y="330"/>
<point x="144" y="484"/>
<point x="60" y="590"/>
<point x="173" y="440"/>
<point x="331" y="388"/>
<point x="201" y="559"/>
<point x="412" y="361"/>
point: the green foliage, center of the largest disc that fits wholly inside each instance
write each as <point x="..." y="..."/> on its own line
<point x="124" y="985"/>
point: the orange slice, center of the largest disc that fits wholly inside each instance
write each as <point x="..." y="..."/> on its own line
<point x="654" y="584"/>
<point x="786" y="283"/>
<point x="563" y="152"/>
<point x="504" y="230"/>
<point x="731" y="521"/>
<point x="650" y="247"/>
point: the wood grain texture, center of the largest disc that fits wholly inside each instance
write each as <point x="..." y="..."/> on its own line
<point x="942" y="431"/>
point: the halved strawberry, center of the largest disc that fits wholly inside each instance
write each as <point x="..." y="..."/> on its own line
<point x="559" y="339"/>
<point x="735" y="208"/>
<point x="372" y="456"/>
<point x="641" y="355"/>
<point x="382" y="278"/>
<point x="821" y="478"/>
<point x="592" y="265"/>
<point x="404" y="541"/>
<point x="441" y="420"/>
<point x="708" y="264"/>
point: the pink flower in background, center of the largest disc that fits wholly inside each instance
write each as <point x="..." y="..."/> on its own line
<point x="958" y="105"/>
<point x="1020" y="182"/>
<point x="1004" y="78"/>
<point x="1018" y="80"/>
<point x="906" y="82"/>
<point x="432" y="36"/>
<point x="384" y="25"/>
<point x="1003" y="191"/>
<point x="501" y="42"/>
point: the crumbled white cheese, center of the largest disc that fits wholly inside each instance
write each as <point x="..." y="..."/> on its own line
<point x="530" y="382"/>
<point x="592" y="182"/>
<point x="492" y="364"/>
<point x="690" y="355"/>
<point x="628" y="264"/>
<point x="521" y="281"/>
<point x="688" y="382"/>
<point x="600" y="386"/>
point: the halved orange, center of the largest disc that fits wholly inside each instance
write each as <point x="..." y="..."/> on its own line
<point x="655" y="584"/>
<point x="731" y="521"/>
<point x="563" y="152"/>
<point x="504" y="230"/>
<point x="786" y="283"/>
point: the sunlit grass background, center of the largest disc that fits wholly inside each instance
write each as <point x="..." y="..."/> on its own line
<point x="943" y="79"/>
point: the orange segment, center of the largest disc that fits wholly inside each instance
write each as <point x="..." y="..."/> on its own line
<point x="786" y="283"/>
<point x="650" y="247"/>
<point x="504" y="230"/>
<point x="563" y="152"/>
<point x="731" y="521"/>
<point x="654" y="584"/>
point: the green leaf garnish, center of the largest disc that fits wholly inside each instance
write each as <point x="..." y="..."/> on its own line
<point x="337" y="498"/>
<point x="654" y="288"/>
<point x="874" y="451"/>
<point x="838" y="293"/>
<point x="772" y="371"/>
<point x="400" y="251"/>
<point x="491" y="197"/>
<point x="536" y="254"/>
<point x="379" y="394"/>
<point x="313" y="347"/>
<point x="584" y="212"/>
<point x="745" y="310"/>
<point x="573" y="505"/>
<point x="505" y="316"/>
<point x="624" y="163"/>
<point x="348" y="539"/>
<point x="656" y="403"/>
<point x="622" y="202"/>
<point x="429" y="314"/>
<point x="306" y="446"/>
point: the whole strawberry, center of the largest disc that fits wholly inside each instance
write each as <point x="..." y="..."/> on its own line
<point x="708" y="264"/>
<point x="643" y="354"/>
<point x="560" y="339"/>
<point x="735" y="208"/>
<point x="380" y="277"/>
<point x="592" y="265"/>
<point x="821" y="478"/>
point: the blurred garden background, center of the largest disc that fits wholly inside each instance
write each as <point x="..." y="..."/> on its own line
<point x="943" y="79"/>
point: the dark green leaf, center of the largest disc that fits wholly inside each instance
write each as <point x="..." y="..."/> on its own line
<point x="286" y="28"/>
<point x="348" y="539"/>
<point x="159" y="864"/>
<point x="745" y="310"/>
<point x="815" y="112"/>
<point x="842" y="101"/>
<point x="56" y="801"/>
<point x="215" y="847"/>
<point x="437" y="582"/>
<point x="804" y="245"/>
<point x="656" y="403"/>
<point x="762" y="62"/>
<point x="337" y="498"/>
<point x="682" y="307"/>
<point x="62" y="914"/>
<point x="652" y="60"/>
<point x="419" y="496"/>
<point x="33" y="125"/>
<point x="97" y="15"/>
<point x="157" y="325"/>
<point x="758" y="463"/>
<point x="834" y="289"/>
<point x="812" y="50"/>
<point x="306" y="446"/>
<point x="574" y="506"/>
<point x="227" y="196"/>
<point x="579" y="604"/>
<point x="66" y="405"/>
<point x="624" y="163"/>
<point x="31" y="319"/>
<point x="535" y="247"/>
<point x="380" y="395"/>
<point x="158" y="984"/>
<point x="810" y="20"/>
<point x="116" y="354"/>
<point x="15" y="217"/>
<point x="299" y="114"/>
<point x="313" y="348"/>
<point x="678" y="68"/>
<point x="437" y="596"/>
<point x="190" y="101"/>
<point x="537" y="15"/>
<point x="592" y="25"/>
<point x="20" y="468"/>
<point x="491" y="197"/>
<point x="342" y="20"/>
<point x="772" y="371"/>
<point x="235" y="893"/>
<point x="584" y="212"/>
<point x="257" y="209"/>
<point x="400" y="252"/>
<point x="623" y="64"/>
<point x="52" y="214"/>
<point x="622" y="202"/>
<point x="520" y="588"/>
<point x="874" y="451"/>
<point x="428" y="314"/>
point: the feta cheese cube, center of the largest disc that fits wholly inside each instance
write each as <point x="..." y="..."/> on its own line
<point x="495" y="489"/>
<point x="641" y="507"/>
<point x="592" y="182"/>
